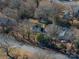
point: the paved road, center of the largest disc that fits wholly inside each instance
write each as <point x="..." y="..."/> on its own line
<point x="9" y="40"/>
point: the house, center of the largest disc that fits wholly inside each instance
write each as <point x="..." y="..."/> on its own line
<point x="45" y="22"/>
<point x="34" y="21"/>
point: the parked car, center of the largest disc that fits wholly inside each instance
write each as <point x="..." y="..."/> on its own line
<point x="37" y="28"/>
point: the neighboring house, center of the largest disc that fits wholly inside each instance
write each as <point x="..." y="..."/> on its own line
<point x="38" y="28"/>
<point x="64" y="20"/>
<point x="75" y="22"/>
<point x="64" y="24"/>
<point x="7" y="22"/>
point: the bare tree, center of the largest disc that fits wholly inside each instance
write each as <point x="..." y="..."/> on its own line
<point x="27" y="8"/>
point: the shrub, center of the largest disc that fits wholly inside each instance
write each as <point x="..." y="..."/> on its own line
<point x="14" y="3"/>
<point x="11" y="13"/>
<point x="39" y="37"/>
<point x="43" y="40"/>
